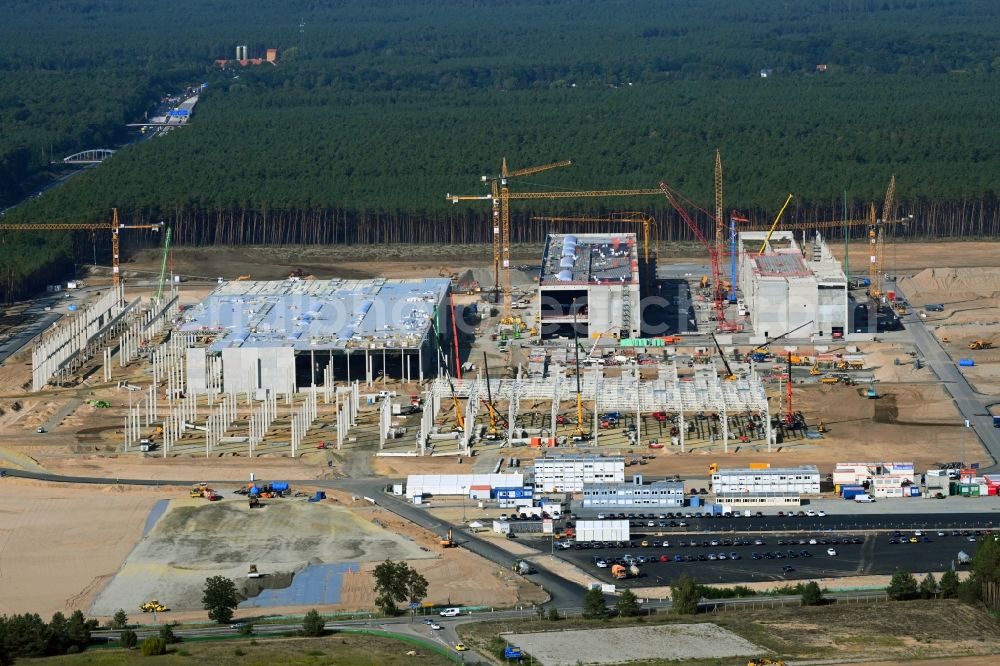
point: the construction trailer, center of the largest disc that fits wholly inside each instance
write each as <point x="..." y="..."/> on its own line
<point x="572" y="473"/>
<point x="635" y="495"/>
<point x="802" y="480"/>
<point x="284" y="334"/>
<point x="786" y="289"/>
<point x="594" y="278"/>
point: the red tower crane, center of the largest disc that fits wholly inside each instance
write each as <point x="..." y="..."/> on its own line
<point x="719" y="295"/>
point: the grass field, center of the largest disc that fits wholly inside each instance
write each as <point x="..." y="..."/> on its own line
<point x="862" y="632"/>
<point x="340" y="649"/>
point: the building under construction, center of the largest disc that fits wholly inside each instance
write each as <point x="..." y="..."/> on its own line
<point x="281" y="335"/>
<point x="593" y="278"/>
<point x="784" y="290"/>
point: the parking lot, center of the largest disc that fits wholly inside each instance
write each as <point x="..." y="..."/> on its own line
<point x="735" y="554"/>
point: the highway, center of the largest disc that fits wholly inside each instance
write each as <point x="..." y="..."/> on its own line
<point x="969" y="403"/>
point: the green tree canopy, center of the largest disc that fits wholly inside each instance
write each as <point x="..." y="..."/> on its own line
<point x="902" y="586"/>
<point x="220" y="599"/>
<point x="684" y="595"/>
<point x="594" y="606"/>
<point x="396" y="582"/>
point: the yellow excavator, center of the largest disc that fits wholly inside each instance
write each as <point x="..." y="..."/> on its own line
<point x="814" y="370"/>
<point x="765" y="661"/>
<point x="447" y="541"/>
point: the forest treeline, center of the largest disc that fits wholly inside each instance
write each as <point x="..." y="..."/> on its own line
<point x="376" y="110"/>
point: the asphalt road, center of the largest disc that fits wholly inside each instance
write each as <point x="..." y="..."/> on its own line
<point x="563" y="593"/>
<point x="968" y="402"/>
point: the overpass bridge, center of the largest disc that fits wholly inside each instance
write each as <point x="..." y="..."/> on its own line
<point x="92" y="156"/>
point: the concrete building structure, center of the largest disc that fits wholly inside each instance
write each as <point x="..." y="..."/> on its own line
<point x="635" y="495"/>
<point x="785" y="291"/>
<point x="600" y="272"/>
<point x="571" y="473"/>
<point x="280" y="335"/>
<point x="788" y="480"/>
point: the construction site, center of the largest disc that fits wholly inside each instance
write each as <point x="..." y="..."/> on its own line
<point x="598" y="343"/>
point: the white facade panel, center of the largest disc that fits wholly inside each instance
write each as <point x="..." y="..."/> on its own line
<point x="458" y="484"/>
<point x="569" y="474"/>
<point x="788" y="480"/>
<point x="602" y="530"/>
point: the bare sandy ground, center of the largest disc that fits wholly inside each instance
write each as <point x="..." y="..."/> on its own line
<point x="615" y="646"/>
<point x="195" y="540"/>
<point x="60" y="543"/>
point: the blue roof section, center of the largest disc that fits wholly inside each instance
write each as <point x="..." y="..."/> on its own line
<point x="318" y="314"/>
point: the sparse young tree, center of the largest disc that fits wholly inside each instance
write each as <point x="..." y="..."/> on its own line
<point x="902" y="586"/>
<point x="812" y="594"/>
<point x="120" y="619"/>
<point x="220" y="599"/>
<point x="684" y="595"/>
<point x="948" y="587"/>
<point x="246" y="629"/>
<point x="593" y="604"/>
<point x="627" y="604"/>
<point x="396" y="582"/>
<point x="928" y="587"/>
<point x="313" y="624"/>
<point x="553" y="614"/>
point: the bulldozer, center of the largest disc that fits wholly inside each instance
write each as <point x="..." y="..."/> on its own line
<point x="822" y="427"/>
<point x="254" y="502"/>
<point x="242" y="278"/>
<point x="201" y="490"/>
<point x="447" y="541"/>
<point x="153" y="606"/>
<point x="765" y="661"/>
<point x="981" y="344"/>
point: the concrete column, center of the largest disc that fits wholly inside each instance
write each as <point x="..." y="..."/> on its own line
<point x="724" y="419"/>
<point x="682" y="428"/>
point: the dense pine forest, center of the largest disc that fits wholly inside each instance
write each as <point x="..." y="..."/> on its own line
<point x="375" y="110"/>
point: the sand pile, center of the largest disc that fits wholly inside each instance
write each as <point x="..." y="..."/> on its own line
<point x="933" y="285"/>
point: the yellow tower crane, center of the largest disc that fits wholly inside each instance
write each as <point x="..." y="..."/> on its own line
<point x="114" y="227"/>
<point x="636" y="217"/>
<point x="876" y="239"/>
<point x="501" y="196"/>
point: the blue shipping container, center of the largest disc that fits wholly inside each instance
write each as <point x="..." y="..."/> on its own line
<point x="279" y="486"/>
<point x="844" y="489"/>
<point x="695" y="501"/>
<point x="966" y="362"/>
<point x="851" y="493"/>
